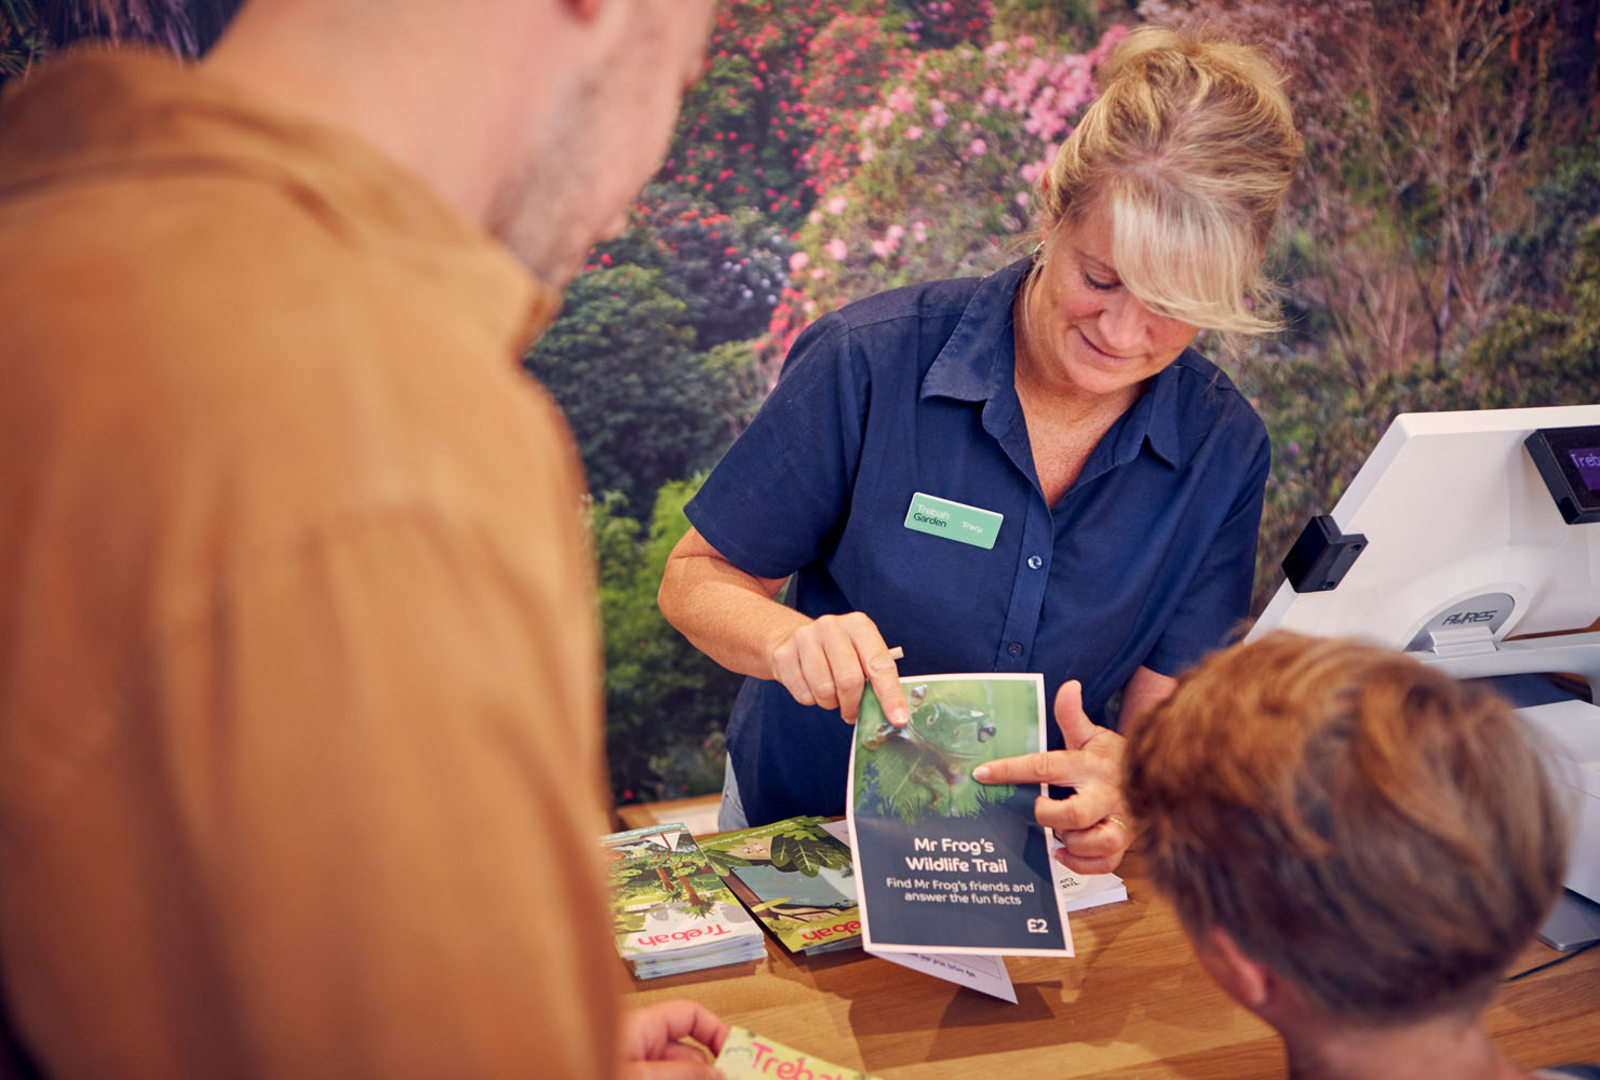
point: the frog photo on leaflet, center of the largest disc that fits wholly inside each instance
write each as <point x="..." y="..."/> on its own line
<point x="924" y="769"/>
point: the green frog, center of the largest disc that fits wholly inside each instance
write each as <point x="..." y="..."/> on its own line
<point x="944" y="740"/>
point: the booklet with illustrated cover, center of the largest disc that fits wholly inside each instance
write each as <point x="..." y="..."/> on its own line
<point x="796" y="878"/>
<point x="944" y="863"/>
<point x="670" y="911"/>
<point x="748" y="1056"/>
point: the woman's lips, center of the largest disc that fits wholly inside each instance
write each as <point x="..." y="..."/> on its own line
<point x="1099" y="351"/>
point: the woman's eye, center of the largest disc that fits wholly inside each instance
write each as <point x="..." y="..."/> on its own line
<point x="1095" y="283"/>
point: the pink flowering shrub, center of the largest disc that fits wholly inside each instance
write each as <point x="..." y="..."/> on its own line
<point x="940" y="24"/>
<point x="933" y="177"/>
<point x="742" y="133"/>
<point x="848" y="63"/>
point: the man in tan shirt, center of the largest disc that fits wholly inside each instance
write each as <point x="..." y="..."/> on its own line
<point x="300" y="750"/>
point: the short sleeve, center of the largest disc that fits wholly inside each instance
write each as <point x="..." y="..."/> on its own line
<point x="1217" y="598"/>
<point x="780" y="494"/>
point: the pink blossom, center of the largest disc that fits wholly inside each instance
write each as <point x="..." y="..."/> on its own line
<point x="901" y="99"/>
<point x="838" y="249"/>
<point x="837" y="205"/>
<point x="814" y="217"/>
<point x="818" y="273"/>
<point x="1108" y="41"/>
<point x="913" y="133"/>
<point x="978" y="148"/>
<point x="919" y="231"/>
<point x="1022" y="199"/>
<point x="880" y="248"/>
<point x="895" y="232"/>
<point x="868" y="151"/>
<point x="798" y="261"/>
<point x="939" y="115"/>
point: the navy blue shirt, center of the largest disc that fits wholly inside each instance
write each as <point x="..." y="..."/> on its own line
<point x="1146" y="559"/>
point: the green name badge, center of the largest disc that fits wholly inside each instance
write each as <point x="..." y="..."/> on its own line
<point x="953" y="520"/>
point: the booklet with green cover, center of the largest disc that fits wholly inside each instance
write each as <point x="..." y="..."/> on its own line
<point x="670" y="911"/>
<point x="796" y="878"/>
<point x="947" y="864"/>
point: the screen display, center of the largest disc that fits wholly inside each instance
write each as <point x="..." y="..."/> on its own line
<point x="1587" y="459"/>
<point x="1568" y="459"/>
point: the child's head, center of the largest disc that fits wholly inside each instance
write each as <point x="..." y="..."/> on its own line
<point x="1379" y="834"/>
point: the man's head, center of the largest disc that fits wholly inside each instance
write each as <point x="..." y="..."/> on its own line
<point x="605" y="131"/>
<point x="539" y="119"/>
<point x="1348" y="822"/>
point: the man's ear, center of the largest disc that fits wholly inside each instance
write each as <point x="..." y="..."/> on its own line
<point x="1248" y="981"/>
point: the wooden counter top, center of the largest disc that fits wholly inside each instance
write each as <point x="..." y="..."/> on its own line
<point x="1132" y="1003"/>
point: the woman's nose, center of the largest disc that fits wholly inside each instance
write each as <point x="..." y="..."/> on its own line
<point x="1122" y="324"/>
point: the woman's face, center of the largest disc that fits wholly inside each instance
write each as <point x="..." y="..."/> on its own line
<point x="1087" y="334"/>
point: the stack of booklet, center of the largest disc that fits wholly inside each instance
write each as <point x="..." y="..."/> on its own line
<point x="797" y="878"/>
<point x="670" y="911"/>
<point x="1080" y="891"/>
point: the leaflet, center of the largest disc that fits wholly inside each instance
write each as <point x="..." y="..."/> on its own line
<point x="985" y="974"/>
<point x="946" y="864"/>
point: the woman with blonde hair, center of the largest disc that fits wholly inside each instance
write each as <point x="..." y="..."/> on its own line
<point x="1356" y="844"/>
<point x="1032" y="471"/>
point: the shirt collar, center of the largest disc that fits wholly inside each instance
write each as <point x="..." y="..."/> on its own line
<point x="978" y="362"/>
<point x="97" y="113"/>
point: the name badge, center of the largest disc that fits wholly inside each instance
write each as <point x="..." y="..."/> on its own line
<point x="953" y="520"/>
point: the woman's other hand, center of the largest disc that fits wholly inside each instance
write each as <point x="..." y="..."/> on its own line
<point x="1092" y="823"/>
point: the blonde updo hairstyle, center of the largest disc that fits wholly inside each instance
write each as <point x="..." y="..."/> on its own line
<point x="1190" y="147"/>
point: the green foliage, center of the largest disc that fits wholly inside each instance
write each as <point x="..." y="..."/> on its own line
<point x="1323" y="423"/>
<point x="645" y="408"/>
<point x="1564" y="202"/>
<point x="666" y="702"/>
<point x="21" y="39"/>
<point x="800" y="849"/>
<point x="1076" y="21"/>
<point x="726" y="268"/>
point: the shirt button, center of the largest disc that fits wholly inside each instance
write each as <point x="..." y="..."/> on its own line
<point x="1034" y="562"/>
<point x="1015" y="648"/>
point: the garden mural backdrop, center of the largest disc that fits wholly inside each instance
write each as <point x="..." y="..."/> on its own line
<point x="1442" y="246"/>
